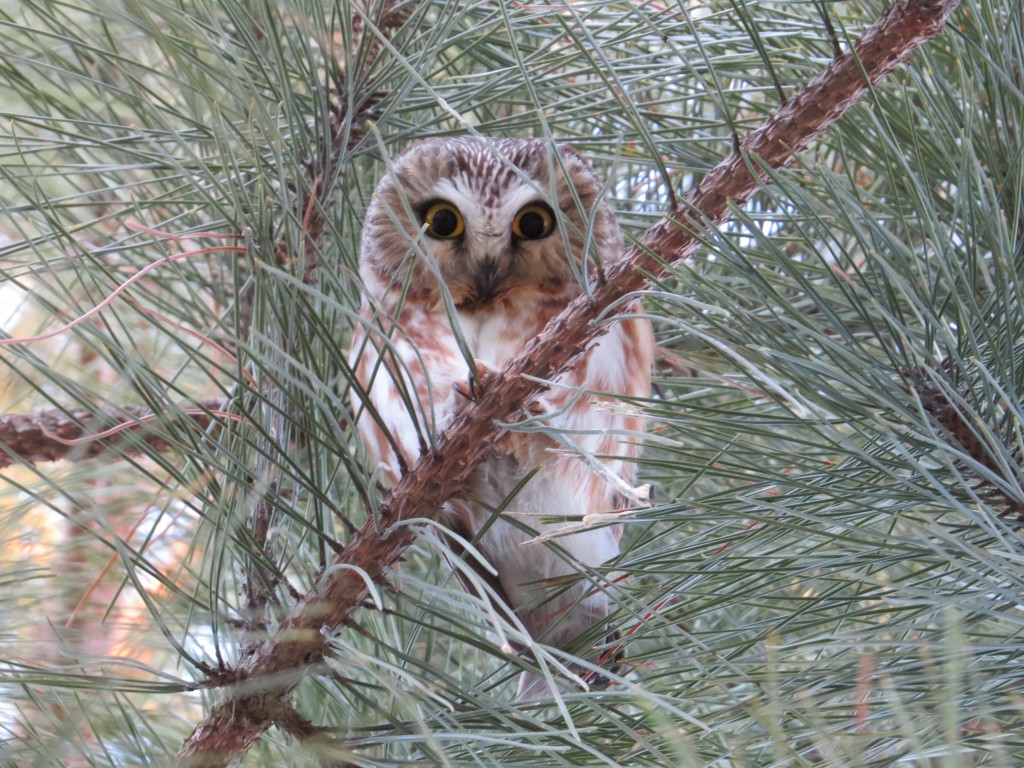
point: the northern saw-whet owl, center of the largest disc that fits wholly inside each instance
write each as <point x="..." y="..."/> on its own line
<point x="506" y="228"/>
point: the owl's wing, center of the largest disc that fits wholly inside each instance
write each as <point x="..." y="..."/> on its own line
<point x="407" y="394"/>
<point x="406" y="370"/>
<point x="589" y="407"/>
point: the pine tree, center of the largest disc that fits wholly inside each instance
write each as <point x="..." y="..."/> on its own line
<point x="198" y="552"/>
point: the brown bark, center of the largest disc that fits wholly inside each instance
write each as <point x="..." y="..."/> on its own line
<point x="57" y="434"/>
<point x="943" y="402"/>
<point x="273" y="669"/>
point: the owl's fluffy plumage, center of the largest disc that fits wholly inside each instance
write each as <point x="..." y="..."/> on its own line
<point x="486" y="242"/>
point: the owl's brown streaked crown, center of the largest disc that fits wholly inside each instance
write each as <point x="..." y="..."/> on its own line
<point x="488" y="182"/>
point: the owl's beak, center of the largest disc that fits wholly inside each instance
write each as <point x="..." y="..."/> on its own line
<point x="486" y="277"/>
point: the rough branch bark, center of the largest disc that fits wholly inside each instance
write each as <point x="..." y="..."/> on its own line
<point x="302" y="641"/>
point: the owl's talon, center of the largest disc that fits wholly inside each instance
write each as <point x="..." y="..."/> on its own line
<point x="613" y="660"/>
<point x="473" y="386"/>
<point x="466" y="390"/>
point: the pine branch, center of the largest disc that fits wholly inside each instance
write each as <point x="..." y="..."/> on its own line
<point x="274" y="668"/>
<point x="59" y="434"/>
<point x="325" y="171"/>
<point x="962" y="428"/>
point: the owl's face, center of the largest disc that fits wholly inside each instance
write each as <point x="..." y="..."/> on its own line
<point x="501" y="220"/>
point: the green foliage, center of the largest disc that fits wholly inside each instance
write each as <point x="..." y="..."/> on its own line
<point x="833" y="569"/>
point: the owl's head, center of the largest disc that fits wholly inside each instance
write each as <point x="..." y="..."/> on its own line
<point x="495" y="220"/>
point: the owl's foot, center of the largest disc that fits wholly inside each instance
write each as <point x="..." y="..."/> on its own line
<point x="612" y="660"/>
<point x="533" y="686"/>
<point x="474" y="386"/>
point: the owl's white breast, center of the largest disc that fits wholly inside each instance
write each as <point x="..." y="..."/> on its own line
<point x="498" y="336"/>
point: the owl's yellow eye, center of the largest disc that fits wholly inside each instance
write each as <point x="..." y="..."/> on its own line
<point x="443" y="221"/>
<point x="533" y="222"/>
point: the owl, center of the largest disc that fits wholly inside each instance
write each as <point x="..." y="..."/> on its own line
<point x="469" y="247"/>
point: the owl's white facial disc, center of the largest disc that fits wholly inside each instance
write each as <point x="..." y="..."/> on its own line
<point x="497" y="221"/>
<point x="495" y="255"/>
